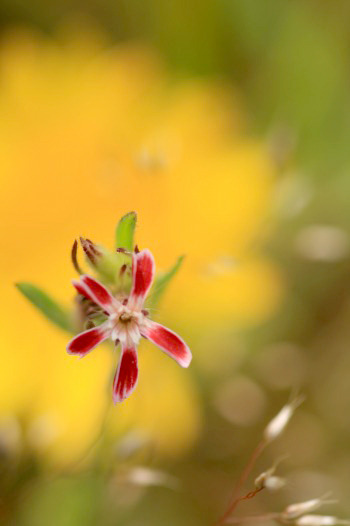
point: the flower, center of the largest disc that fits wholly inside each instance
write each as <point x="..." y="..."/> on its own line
<point x="126" y="322"/>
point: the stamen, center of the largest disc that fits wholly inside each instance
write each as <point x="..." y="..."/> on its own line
<point x="90" y="249"/>
<point x="74" y="257"/>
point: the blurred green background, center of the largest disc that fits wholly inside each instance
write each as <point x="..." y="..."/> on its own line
<point x="286" y="67"/>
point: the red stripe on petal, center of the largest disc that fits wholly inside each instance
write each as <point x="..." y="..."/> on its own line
<point x="82" y="290"/>
<point x="169" y="342"/>
<point x="125" y="379"/>
<point x="143" y="269"/>
<point x="86" y="341"/>
<point x="99" y="293"/>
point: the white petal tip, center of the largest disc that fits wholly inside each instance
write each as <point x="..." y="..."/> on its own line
<point x="119" y="399"/>
<point x="186" y="362"/>
<point x="78" y="355"/>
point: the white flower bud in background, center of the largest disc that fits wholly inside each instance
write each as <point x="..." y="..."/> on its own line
<point x="268" y="480"/>
<point x="275" y="483"/>
<point x="320" y="520"/>
<point x="142" y="476"/>
<point x="280" y="421"/>
<point x="296" y="510"/>
<point x="260" y="481"/>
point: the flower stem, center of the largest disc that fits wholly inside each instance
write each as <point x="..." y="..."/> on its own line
<point x="236" y="498"/>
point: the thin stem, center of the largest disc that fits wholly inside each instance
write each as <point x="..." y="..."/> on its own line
<point x="235" y="499"/>
<point x="250" y="495"/>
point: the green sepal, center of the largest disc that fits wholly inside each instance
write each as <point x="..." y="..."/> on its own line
<point x="109" y="264"/>
<point x="161" y="283"/>
<point x="124" y="234"/>
<point x="49" y="307"/>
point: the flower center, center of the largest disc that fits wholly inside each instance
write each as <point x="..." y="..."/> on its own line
<point x="125" y="317"/>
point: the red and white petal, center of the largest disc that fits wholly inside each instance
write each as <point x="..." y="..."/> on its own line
<point x="169" y="342"/>
<point x="81" y="289"/>
<point x="84" y="342"/>
<point x="125" y="378"/>
<point x="99" y="294"/>
<point x="143" y="270"/>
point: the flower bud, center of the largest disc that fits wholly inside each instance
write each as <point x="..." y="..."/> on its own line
<point x="296" y="510"/>
<point x="142" y="476"/>
<point x="260" y="481"/>
<point x="268" y="480"/>
<point x="275" y="483"/>
<point x="320" y="520"/>
<point x="280" y="421"/>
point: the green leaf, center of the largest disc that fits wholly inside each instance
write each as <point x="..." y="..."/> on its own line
<point x="52" y="310"/>
<point x="161" y="283"/>
<point x="125" y="231"/>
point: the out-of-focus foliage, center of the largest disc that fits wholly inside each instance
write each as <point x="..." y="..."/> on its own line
<point x="290" y="57"/>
